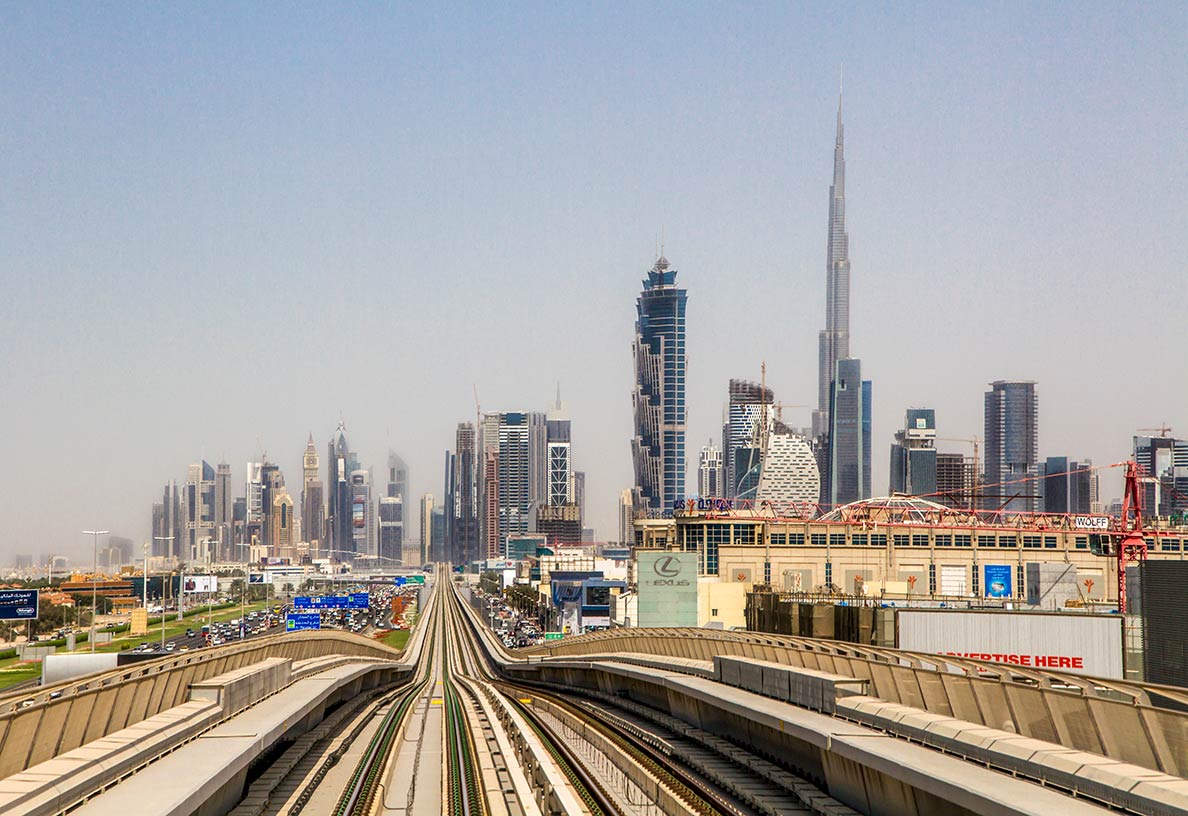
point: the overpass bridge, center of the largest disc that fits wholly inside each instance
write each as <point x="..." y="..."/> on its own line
<point x="631" y="721"/>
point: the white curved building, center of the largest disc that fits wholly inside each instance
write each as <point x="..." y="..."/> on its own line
<point x="789" y="473"/>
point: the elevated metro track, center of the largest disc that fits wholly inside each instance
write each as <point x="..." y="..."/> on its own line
<point x="642" y="721"/>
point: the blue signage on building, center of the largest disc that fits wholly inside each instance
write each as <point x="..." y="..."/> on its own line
<point x="358" y="600"/>
<point x="18" y="604"/>
<point x="299" y="621"/>
<point x="997" y="580"/>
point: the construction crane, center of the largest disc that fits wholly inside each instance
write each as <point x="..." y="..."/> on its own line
<point x="1131" y="544"/>
<point x="1162" y="430"/>
<point x="970" y="440"/>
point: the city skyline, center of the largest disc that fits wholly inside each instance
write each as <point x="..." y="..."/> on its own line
<point x="146" y="224"/>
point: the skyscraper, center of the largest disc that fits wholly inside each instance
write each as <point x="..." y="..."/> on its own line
<point x="519" y="441"/>
<point x="1163" y="461"/>
<point x="1012" y="445"/>
<point x="560" y="455"/>
<point x="749" y="402"/>
<point x="313" y="511"/>
<point x="224" y="504"/>
<point x="342" y="462"/>
<point x="848" y="445"/>
<point x="198" y="501"/>
<point x="466" y="521"/>
<point x="391" y="529"/>
<point x="168" y="523"/>
<point x="426" y="528"/>
<point x="834" y="339"/>
<point x="913" y="454"/>
<point x="1067" y="485"/>
<point x="362" y="525"/>
<point x="658" y="401"/>
<point x="709" y="471"/>
<point x="397" y="475"/>
<point x="627" y="518"/>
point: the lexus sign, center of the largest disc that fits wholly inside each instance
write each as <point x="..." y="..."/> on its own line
<point x="667" y="586"/>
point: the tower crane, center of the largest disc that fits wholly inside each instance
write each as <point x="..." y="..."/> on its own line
<point x="970" y="440"/>
<point x="1163" y="430"/>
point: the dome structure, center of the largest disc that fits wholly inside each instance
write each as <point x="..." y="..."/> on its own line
<point x="897" y="509"/>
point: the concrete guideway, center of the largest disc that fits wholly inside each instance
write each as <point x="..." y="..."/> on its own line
<point x="459" y="724"/>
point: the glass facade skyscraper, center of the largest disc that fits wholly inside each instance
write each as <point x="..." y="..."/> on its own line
<point x="658" y="402"/>
<point x="849" y="435"/>
<point x="1012" y="446"/>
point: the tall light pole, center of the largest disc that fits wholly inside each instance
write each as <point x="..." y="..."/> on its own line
<point x="164" y="578"/>
<point x="94" y="579"/>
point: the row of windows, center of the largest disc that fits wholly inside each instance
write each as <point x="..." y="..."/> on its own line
<point x="745" y="535"/>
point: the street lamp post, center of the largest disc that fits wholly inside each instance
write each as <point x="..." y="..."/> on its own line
<point x="94" y="579"/>
<point x="164" y="578"/>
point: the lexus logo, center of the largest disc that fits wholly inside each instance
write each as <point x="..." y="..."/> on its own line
<point x="667" y="567"/>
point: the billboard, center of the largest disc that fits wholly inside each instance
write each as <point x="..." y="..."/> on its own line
<point x="18" y="604"/>
<point x="1058" y="641"/>
<point x="357" y="513"/>
<point x="298" y="621"/>
<point x="997" y="580"/>
<point x="667" y="584"/>
<point x="356" y="600"/>
<point x="260" y="578"/>
<point x="200" y="583"/>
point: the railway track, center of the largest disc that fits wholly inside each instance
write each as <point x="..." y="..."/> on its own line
<point x="454" y="740"/>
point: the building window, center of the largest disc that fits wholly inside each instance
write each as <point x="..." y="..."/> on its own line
<point x="837" y="539"/>
<point x="1081" y="542"/>
<point x="1008" y="541"/>
<point x="796" y="539"/>
<point x="828" y="573"/>
<point x="932" y="579"/>
<point x="977" y="592"/>
<point x="779" y="539"/>
<point x="744" y="534"/>
<point x="1022" y="587"/>
<point x="1169" y="544"/>
<point x="1033" y="542"/>
<point x="817" y="539"/>
<point x="985" y="541"/>
<point x="919" y="539"/>
<point x="713" y="613"/>
<point x="963" y="540"/>
<point x="899" y="540"/>
<point x="858" y="539"/>
<point x="878" y="539"/>
<point x="944" y="541"/>
<point x="1049" y="542"/>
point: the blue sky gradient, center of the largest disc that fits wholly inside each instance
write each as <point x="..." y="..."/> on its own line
<point x="221" y="228"/>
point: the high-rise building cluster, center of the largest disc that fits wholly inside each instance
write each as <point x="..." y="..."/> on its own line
<point x="338" y="516"/>
<point x="763" y="461"/>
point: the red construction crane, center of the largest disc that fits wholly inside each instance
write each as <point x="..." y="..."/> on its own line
<point x="1131" y="544"/>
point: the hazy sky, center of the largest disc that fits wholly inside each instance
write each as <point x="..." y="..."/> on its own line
<point x="222" y="227"/>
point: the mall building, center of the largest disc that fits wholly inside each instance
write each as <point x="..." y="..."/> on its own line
<point x="896" y="547"/>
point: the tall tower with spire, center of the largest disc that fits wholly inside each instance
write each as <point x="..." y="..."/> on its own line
<point x="834" y="339"/>
<point x="313" y="497"/>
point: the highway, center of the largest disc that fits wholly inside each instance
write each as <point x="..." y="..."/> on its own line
<point x="329" y="723"/>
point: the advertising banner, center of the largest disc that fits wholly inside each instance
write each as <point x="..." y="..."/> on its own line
<point x="298" y="621"/>
<point x="18" y="604"/>
<point x="260" y="578"/>
<point x="667" y="583"/>
<point x="200" y="583"/>
<point x="1057" y="641"/>
<point x="996" y="580"/>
